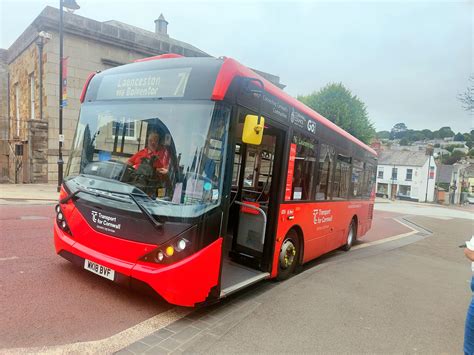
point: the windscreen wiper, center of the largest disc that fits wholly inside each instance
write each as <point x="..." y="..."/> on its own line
<point x="97" y="194"/>
<point x="149" y="216"/>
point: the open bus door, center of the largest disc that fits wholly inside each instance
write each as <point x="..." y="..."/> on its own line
<point x="254" y="202"/>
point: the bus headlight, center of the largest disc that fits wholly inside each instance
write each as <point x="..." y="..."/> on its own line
<point x="160" y="256"/>
<point x="61" y="220"/>
<point x="181" y="245"/>
<point x="174" y="250"/>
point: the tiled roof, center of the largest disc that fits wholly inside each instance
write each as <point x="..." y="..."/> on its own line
<point x="402" y="157"/>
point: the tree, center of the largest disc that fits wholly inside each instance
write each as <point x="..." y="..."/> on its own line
<point x="471" y="153"/>
<point x="445" y="132"/>
<point x="450" y="148"/>
<point x="453" y="158"/>
<point x="427" y="133"/>
<point x="459" y="137"/>
<point x="403" y="141"/>
<point x="414" y="136"/>
<point x="398" y="131"/>
<point x="467" y="97"/>
<point x="383" y="135"/>
<point x="339" y="105"/>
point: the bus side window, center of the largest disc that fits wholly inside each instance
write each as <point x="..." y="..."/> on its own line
<point x="358" y="179"/>
<point x="304" y="169"/>
<point x="325" y="166"/>
<point x="342" y="177"/>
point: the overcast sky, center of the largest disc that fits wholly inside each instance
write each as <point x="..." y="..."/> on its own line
<point x="407" y="60"/>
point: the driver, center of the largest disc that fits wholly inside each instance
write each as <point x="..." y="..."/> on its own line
<point x="153" y="149"/>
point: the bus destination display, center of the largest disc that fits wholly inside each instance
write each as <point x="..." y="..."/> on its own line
<point x="146" y="84"/>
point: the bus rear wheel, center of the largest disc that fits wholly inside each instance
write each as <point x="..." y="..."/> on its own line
<point x="351" y="236"/>
<point x="289" y="255"/>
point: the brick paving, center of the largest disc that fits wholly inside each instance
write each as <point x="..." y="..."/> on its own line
<point x="195" y="332"/>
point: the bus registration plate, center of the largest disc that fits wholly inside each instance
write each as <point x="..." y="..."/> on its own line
<point x="99" y="269"/>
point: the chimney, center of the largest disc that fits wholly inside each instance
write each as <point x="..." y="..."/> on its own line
<point x="161" y="26"/>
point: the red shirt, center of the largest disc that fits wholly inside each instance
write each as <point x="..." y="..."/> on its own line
<point x="162" y="157"/>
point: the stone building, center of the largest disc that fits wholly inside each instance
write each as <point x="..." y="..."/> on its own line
<point x="29" y="124"/>
<point x="3" y="116"/>
<point x="29" y="84"/>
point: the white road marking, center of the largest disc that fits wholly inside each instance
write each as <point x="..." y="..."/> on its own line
<point x="389" y="239"/>
<point x="121" y="340"/>
<point x="113" y="343"/>
<point x="9" y="258"/>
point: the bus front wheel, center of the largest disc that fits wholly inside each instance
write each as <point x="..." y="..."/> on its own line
<point x="289" y="255"/>
<point x="351" y="236"/>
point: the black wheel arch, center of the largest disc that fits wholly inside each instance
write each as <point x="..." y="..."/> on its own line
<point x="355" y="219"/>
<point x="299" y="232"/>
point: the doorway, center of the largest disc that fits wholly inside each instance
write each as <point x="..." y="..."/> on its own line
<point x="254" y="201"/>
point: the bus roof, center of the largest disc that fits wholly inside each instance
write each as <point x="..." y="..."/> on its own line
<point x="231" y="69"/>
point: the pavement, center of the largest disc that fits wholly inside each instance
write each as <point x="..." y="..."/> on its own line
<point x="406" y="296"/>
<point x="404" y="288"/>
<point x="28" y="194"/>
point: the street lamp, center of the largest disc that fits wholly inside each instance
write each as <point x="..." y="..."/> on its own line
<point x="70" y="5"/>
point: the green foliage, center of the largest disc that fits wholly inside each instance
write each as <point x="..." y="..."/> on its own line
<point x="339" y="105"/>
<point x="445" y="132"/>
<point x="398" y="131"/>
<point x="427" y="133"/>
<point x="471" y="153"/>
<point x="404" y="142"/>
<point x="453" y="158"/>
<point x="383" y="135"/>
<point x="459" y="137"/>
<point x="443" y="185"/>
<point x="451" y="147"/>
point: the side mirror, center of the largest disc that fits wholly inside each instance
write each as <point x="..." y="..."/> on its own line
<point x="253" y="130"/>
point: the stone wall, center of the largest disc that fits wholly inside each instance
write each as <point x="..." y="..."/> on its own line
<point x="38" y="153"/>
<point x="89" y="46"/>
<point x="4" y="150"/>
<point x="84" y="57"/>
<point x="23" y="70"/>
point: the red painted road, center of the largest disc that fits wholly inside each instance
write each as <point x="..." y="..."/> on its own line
<point x="45" y="300"/>
<point x="383" y="226"/>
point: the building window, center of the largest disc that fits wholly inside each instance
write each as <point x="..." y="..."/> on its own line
<point x="32" y="96"/>
<point x="404" y="190"/>
<point x="305" y="165"/>
<point x="17" y="109"/>
<point x="409" y="174"/>
<point x="325" y="166"/>
<point x="394" y="173"/>
<point x="382" y="189"/>
<point x="380" y="173"/>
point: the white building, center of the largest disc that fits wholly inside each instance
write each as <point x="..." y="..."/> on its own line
<point x="406" y="175"/>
